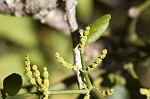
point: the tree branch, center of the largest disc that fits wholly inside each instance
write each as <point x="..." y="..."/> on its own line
<point x="71" y="18"/>
<point x="71" y="14"/>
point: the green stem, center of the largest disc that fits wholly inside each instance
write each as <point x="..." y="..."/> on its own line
<point x="82" y="91"/>
<point x="85" y="74"/>
<point x="132" y="27"/>
<point x="95" y="93"/>
<point x="133" y="37"/>
<point x="133" y="23"/>
<point x="82" y="61"/>
<point x="145" y="5"/>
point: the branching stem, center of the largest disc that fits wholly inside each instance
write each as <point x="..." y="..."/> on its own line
<point x="144" y="6"/>
<point x="88" y="82"/>
<point x="82" y="91"/>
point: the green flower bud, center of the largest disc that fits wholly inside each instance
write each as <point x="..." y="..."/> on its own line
<point x="102" y="56"/>
<point x="89" y="68"/>
<point x="45" y="73"/>
<point x="103" y="93"/>
<point x="69" y="66"/>
<point x="29" y="73"/>
<point x="39" y="80"/>
<point x="37" y="73"/>
<point x="98" y="60"/>
<point x="87" y="28"/>
<point x="94" y="64"/>
<point x="104" y="51"/>
<point x="76" y="67"/>
<point x="45" y="69"/>
<point x="64" y="63"/>
<point x="27" y="63"/>
<point x="57" y="54"/>
<point x="144" y="91"/>
<point x="27" y="57"/>
<point x="107" y="92"/>
<point x="83" y="39"/>
<point x="27" y="68"/>
<point x="33" y="82"/>
<point x="86" y="33"/>
<point x="110" y="92"/>
<point x="34" y="67"/>
<point x="46" y="82"/>
<point x="60" y="59"/>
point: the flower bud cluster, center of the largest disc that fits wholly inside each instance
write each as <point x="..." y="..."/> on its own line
<point x="35" y="79"/>
<point x="146" y="92"/>
<point x="98" y="60"/>
<point x="64" y="63"/>
<point x="107" y="92"/>
<point x="83" y="39"/>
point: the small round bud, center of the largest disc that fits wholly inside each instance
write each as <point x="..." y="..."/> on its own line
<point x="98" y="60"/>
<point x="60" y="59"/>
<point x="27" y="57"/>
<point x="27" y="63"/>
<point x="89" y="69"/>
<point x="46" y="93"/>
<point x="144" y="91"/>
<point x="45" y="69"/>
<point x="29" y="73"/>
<point x="33" y="82"/>
<point x="64" y="63"/>
<point x="87" y="28"/>
<point x="94" y="64"/>
<point x="39" y="81"/>
<point x="34" y="67"/>
<point x="28" y="68"/>
<point x="37" y="73"/>
<point x="104" y="51"/>
<point x="46" y="82"/>
<point x="69" y="66"/>
<point x="57" y="54"/>
<point x="45" y="74"/>
<point x="102" y="56"/>
<point x="86" y="33"/>
<point x="103" y="93"/>
<point x="76" y="67"/>
<point x="110" y="92"/>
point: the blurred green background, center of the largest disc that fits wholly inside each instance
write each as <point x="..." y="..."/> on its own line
<point x="126" y="68"/>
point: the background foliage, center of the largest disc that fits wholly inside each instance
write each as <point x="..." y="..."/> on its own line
<point x="128" y="50"/>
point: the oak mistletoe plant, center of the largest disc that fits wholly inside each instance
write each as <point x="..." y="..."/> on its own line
<point x="87" y="36"/>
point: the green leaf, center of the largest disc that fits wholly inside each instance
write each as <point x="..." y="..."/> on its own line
<point x="12" y="84"/>
<point x="97" y="28"/>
